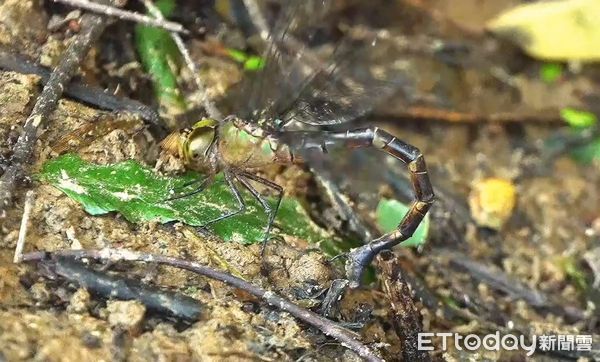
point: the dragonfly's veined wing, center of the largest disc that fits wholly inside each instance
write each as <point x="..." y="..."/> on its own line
<point x="309" y="80"/>
<point x="352" y="85"/>
<point x="89" y="131"/>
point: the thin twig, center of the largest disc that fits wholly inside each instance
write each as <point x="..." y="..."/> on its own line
<point x="125" y="15"/>
<point x="287" y="40"/>
<point x="340" y="202"/>
<point x="257" y="18"/>
<point x="514" y="288"/>
<point x="209" y="106"/>
<point x="91" y="28"/>
<point x="329" y="328"/>
<point x="499" y="280"/>
<point x="29" y="196"/>
<point x="91" y="95"/>
<point x="432" y="113"/>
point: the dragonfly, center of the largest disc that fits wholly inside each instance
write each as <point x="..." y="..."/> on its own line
<point x="290" y="99"/>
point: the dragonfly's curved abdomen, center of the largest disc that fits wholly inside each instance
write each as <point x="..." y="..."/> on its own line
<point x="244" y="145"/>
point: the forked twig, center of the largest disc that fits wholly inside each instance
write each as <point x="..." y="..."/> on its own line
<point x="124" y="15"/>
<point x="346" y="338"/>
<point x="91" y="28"/>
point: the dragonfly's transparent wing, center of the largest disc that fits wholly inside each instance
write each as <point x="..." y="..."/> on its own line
<point x="283" y="73"/>
<point x="307" y="79"/>
<point x="88" y="132"/>
<point x="359" y="75"/>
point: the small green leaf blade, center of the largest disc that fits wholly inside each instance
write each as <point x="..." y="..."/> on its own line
<point x="254" y="63"/>
<point x="390" y="212"/>
<point x="551" y="72"/>
<point x="237" y="55"/>
<point x="577" y="118"/>
<point x="587" y="154"/>
<point x="579" y="121"/>
<point x="250" y="62"/>
<point x="159" y="56"/>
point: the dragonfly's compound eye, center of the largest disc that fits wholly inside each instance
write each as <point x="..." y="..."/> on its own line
<point x="199" y="142"/>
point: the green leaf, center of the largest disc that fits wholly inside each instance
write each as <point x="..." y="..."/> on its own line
<point x="578" y="119"/>
<point x="166" y="7"/>
<point x="237" y="55"/>
<point x="159" y="56"/>
<point x="586" y="154"/>
<point x="389" y="214"/>
<point x="550" y="72"/>
<point x="254" y="63"/>
<point x="250" y="62"/>
<point x="140" y="195"/>
<point x="575" y="273"/>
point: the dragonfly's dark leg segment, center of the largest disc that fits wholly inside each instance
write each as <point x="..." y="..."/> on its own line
<point x="272" y="212"/>
<point x="238" y="197"/>
<point x="202" y="184"/>
<point x="361" y="257"/>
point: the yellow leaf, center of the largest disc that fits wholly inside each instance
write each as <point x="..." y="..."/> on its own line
<point x="492" y="201"/>
<point x="553" y="30"/>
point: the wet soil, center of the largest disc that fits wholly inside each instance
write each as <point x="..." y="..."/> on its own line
<point x="544" y="244"/>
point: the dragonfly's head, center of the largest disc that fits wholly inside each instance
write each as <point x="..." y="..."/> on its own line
<point x="192" y="145"/>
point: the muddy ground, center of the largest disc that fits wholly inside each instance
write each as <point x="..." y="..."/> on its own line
<point x="541" y="259"/>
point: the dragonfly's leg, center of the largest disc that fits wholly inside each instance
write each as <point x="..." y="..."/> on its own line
<point x="361" y="257"/>
<point x="202" y="184"/>
<point x="229" y="178"/>
<point x="272" y="212"/>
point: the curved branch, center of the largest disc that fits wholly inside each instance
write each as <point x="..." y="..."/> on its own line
<point x="347" y="338"/>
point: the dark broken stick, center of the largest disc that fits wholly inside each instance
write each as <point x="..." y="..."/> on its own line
<point x="87" y="94"/>
<point x="329" y="328"/>
<point x="109" y="286"/>
<point x="406" y="317"/>
<point x="91" y="28"/>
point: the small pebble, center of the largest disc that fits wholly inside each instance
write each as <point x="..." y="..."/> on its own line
<point x="127" y="315"/>
<point x="40" y="292"/>
<point x="91" y="340"/>
<point x="79" y="302"/>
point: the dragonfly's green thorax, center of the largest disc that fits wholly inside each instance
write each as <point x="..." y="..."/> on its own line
<point x="243" y="143"/>
<point x="235" y="143"/>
